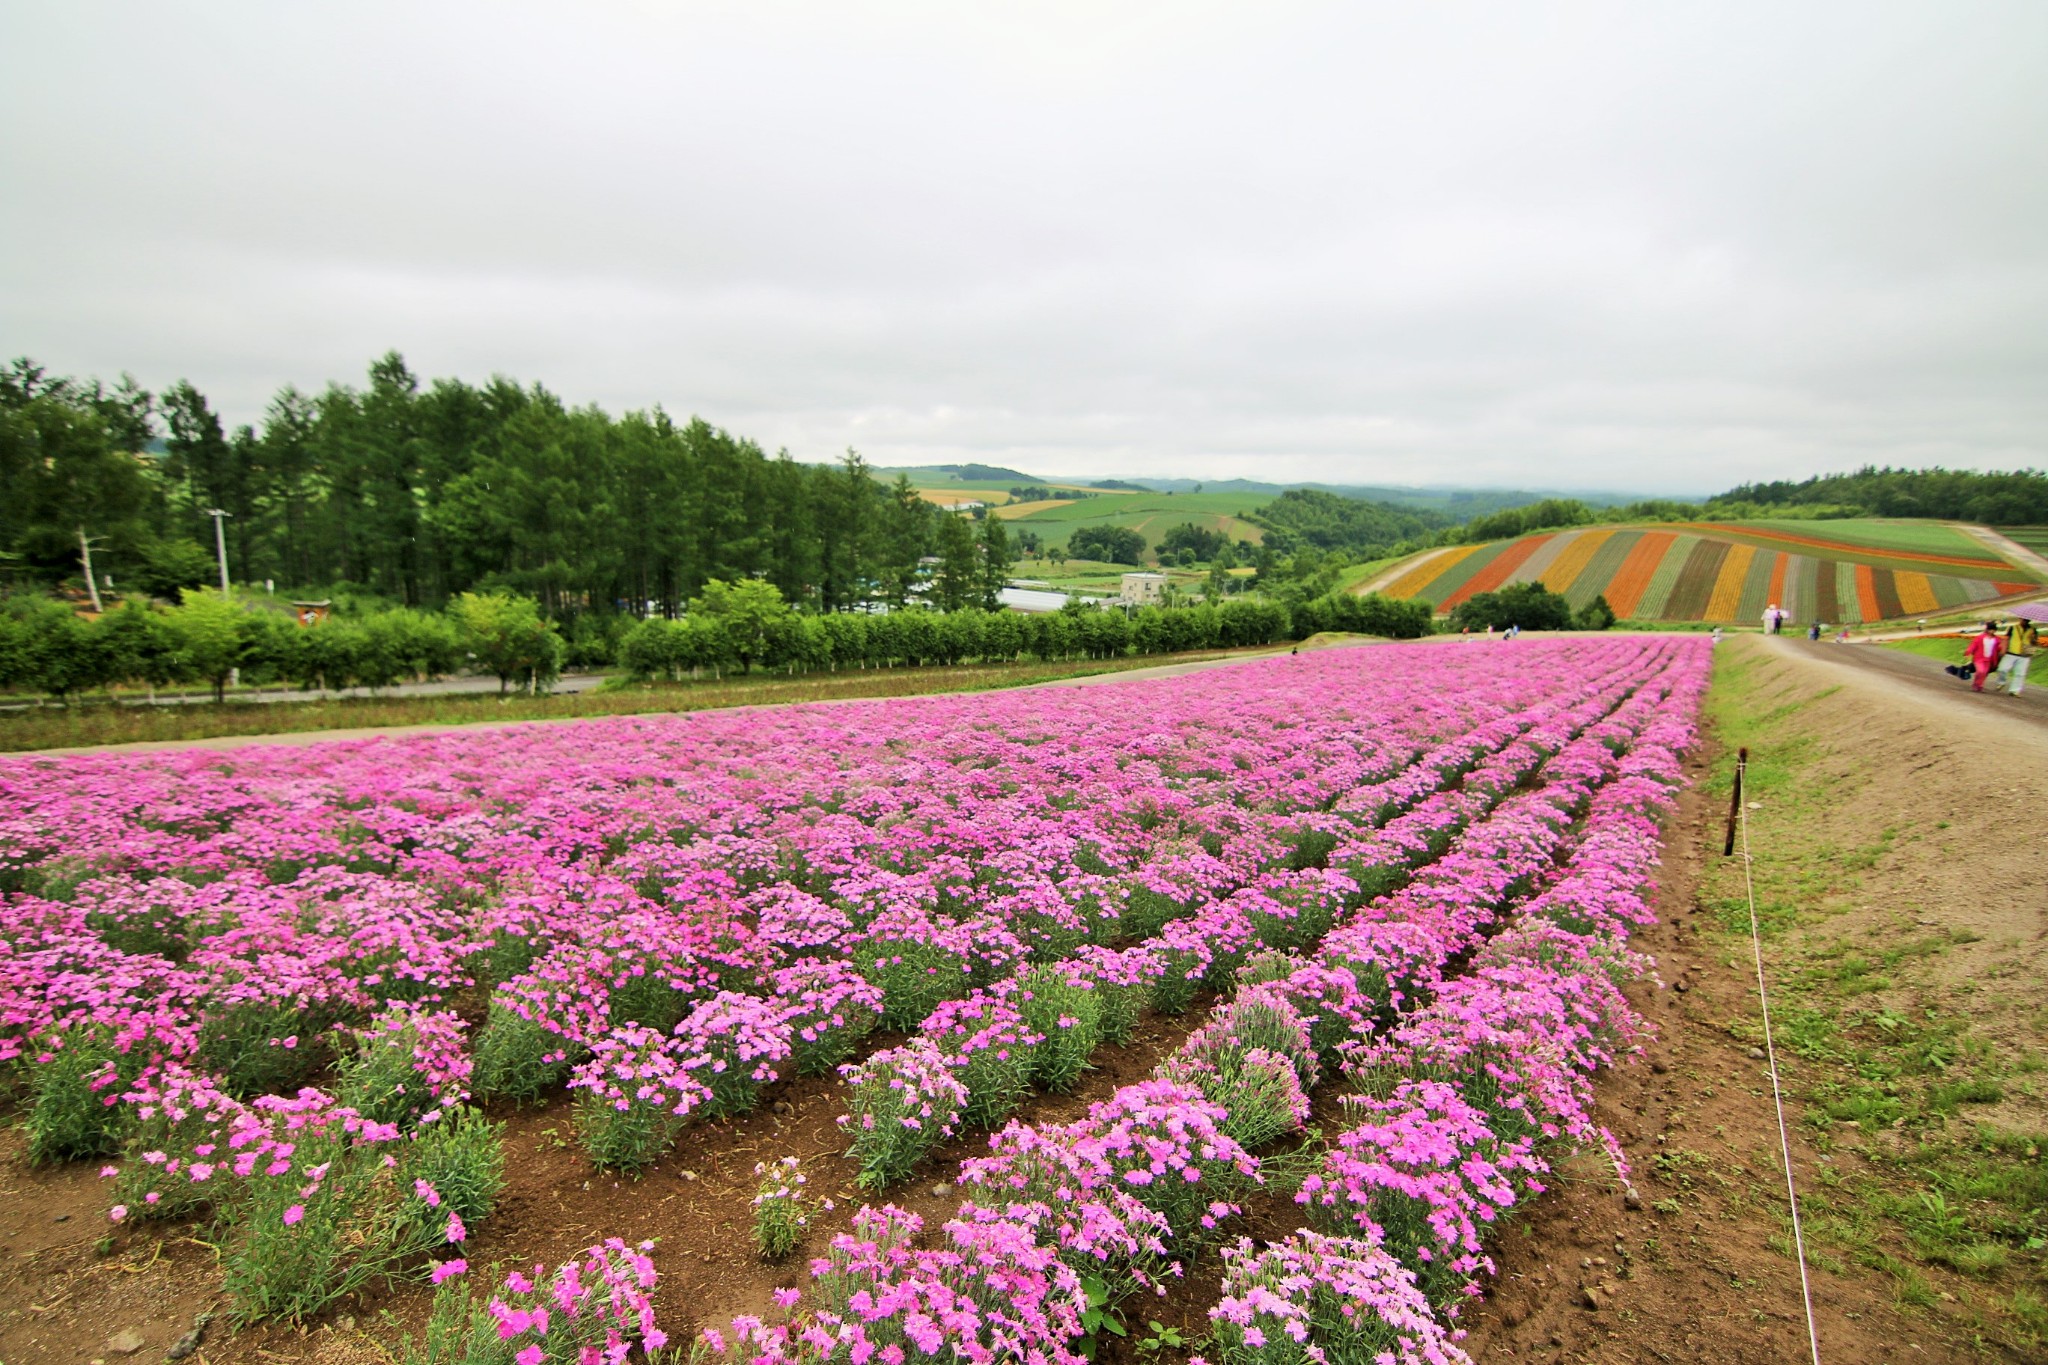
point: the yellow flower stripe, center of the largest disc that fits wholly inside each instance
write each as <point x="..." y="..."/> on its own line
<point x="1916" y="593"/>
<point x="1573" y="559"/>
<point x="1724" y="603"/>
<point x="1428" y="571"/>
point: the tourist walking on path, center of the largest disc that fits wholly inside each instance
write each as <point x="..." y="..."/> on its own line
<point x="2022" y="643"/>
<point x="1984" y="652"/>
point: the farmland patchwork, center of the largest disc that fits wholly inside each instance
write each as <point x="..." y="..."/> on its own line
<point x="274" y="985"/>
<point x="1726" y="571"/>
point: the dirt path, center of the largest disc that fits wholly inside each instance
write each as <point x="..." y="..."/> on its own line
<point x="1872" y="838"/>
<point x="1893" y="677"/>
<point x="2011" y="549"/>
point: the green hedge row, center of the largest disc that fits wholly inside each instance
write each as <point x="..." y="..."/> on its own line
<point x="47" y="648"/>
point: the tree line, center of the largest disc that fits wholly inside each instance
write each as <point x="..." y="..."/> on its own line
<point x="419" y="492"/>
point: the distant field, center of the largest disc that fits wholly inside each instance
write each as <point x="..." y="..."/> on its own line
<point x="1094" y="576"/>
<point x="2035" y="538"/>
<point x="954" y="496"/>
<point x="1930" y="547"/>
<point x="1927" y="537"/>
<point x="1151" y="515"/>
<point x="1013" y="511"/>
<point x="1728" y="572"/>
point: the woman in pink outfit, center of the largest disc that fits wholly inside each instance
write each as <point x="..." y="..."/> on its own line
<point x="1983" y="654"/>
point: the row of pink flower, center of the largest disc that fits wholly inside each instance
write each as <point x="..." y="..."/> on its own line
<point x="1452" y="902"/>
<point x="1213" y="939"/>
<point x="1463" y="1101"/>
<point x="633" y="1065"/>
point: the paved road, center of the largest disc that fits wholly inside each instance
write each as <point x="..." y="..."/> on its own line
<point x="1923" y="676"/>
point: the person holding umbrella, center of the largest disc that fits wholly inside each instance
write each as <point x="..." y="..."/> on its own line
<point x="2022" y="642"/>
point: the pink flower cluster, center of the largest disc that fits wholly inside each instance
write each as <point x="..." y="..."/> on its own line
<point x="593" y="1309"/>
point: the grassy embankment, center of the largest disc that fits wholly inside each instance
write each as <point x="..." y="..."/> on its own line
<point x="101" y="723"/>
<point x="1894" y="1055"/>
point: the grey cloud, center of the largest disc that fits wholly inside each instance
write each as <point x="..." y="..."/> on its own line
<point x="1604" y="245"/>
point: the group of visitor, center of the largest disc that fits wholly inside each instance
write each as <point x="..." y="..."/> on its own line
<point x="2007" y="654"/>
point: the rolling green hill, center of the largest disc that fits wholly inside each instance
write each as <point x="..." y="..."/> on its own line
<point x="1151" y="515"/>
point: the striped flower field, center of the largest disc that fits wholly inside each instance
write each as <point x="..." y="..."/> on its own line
<point x="1711" y="571"/>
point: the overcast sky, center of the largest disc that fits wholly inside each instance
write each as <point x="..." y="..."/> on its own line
<point x="1645" y="246"/>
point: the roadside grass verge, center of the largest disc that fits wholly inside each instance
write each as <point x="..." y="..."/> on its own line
<point x="1947" y="648"/>
<point x="101" y="723"/>
<point x="1891" y="1062"/>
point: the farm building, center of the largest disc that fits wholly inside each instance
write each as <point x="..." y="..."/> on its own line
<point x="1142" y="589"/>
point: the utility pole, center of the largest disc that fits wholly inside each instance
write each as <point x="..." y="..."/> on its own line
<point x="92" y="588"/>
<point x="220" y="545"/>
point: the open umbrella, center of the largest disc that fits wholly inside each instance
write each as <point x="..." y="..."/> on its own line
<point x="2033" y="611"/>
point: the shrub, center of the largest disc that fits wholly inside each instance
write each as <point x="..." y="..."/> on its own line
<point x="829" y="1008"/>
<point x="592" y="1309"/>
<point x="1165" y="1143"/>
<point x="905" y="1101"/>
<point x="633" y="1098"/>
<point x="540" y="1024"/>
<point x="985" y="1040"/>
<point x="267" y="1046"/>
<point x="176" y="1120"/>
<point x="1314" y="1300"/>
<point x="1424" y="1169"/>
<point x="1121" y="983"/>
<point x="989" y="1292"/>
<point x="315" y="1213"/>
<point x="461" y="1157"/>
<point x="1066" y="1018"/>
<point x="1257" y="1090"/>
<point x="75" y="1087"/>
<point x="731" y="1045"/>
<point x="781" y="1214"/>
<point x="406" y="1063"/>
<point x="914" y="974"/>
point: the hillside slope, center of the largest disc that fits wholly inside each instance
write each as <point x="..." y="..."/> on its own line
<point x="1845" y="572"/>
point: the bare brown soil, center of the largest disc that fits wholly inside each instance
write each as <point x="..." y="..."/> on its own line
<point x="1709" y="1282"/>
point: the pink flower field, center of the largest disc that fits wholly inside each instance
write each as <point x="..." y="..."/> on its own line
<point x="1382" y="895"/>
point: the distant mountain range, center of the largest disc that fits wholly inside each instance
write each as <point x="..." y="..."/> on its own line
<point x="1460" y="502"/>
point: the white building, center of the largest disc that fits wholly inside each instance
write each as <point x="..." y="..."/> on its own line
<point x="1143" y="589"/>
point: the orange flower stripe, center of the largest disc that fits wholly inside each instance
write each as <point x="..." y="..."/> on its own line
<point x="1846" y="550"/>
<point x="1776" y="596"/>
<point x="1866" y="593"/>
<point x="1726" y="598"/>
<point x="1427" y="570"/>
<point x="1916" y="593"/>
<point x="1626" y="588"/>
<point x="1496" y="572"/>
<point x="1572" y="561"/>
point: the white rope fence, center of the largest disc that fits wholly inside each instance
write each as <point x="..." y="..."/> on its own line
<point x="1756" y="942"/>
